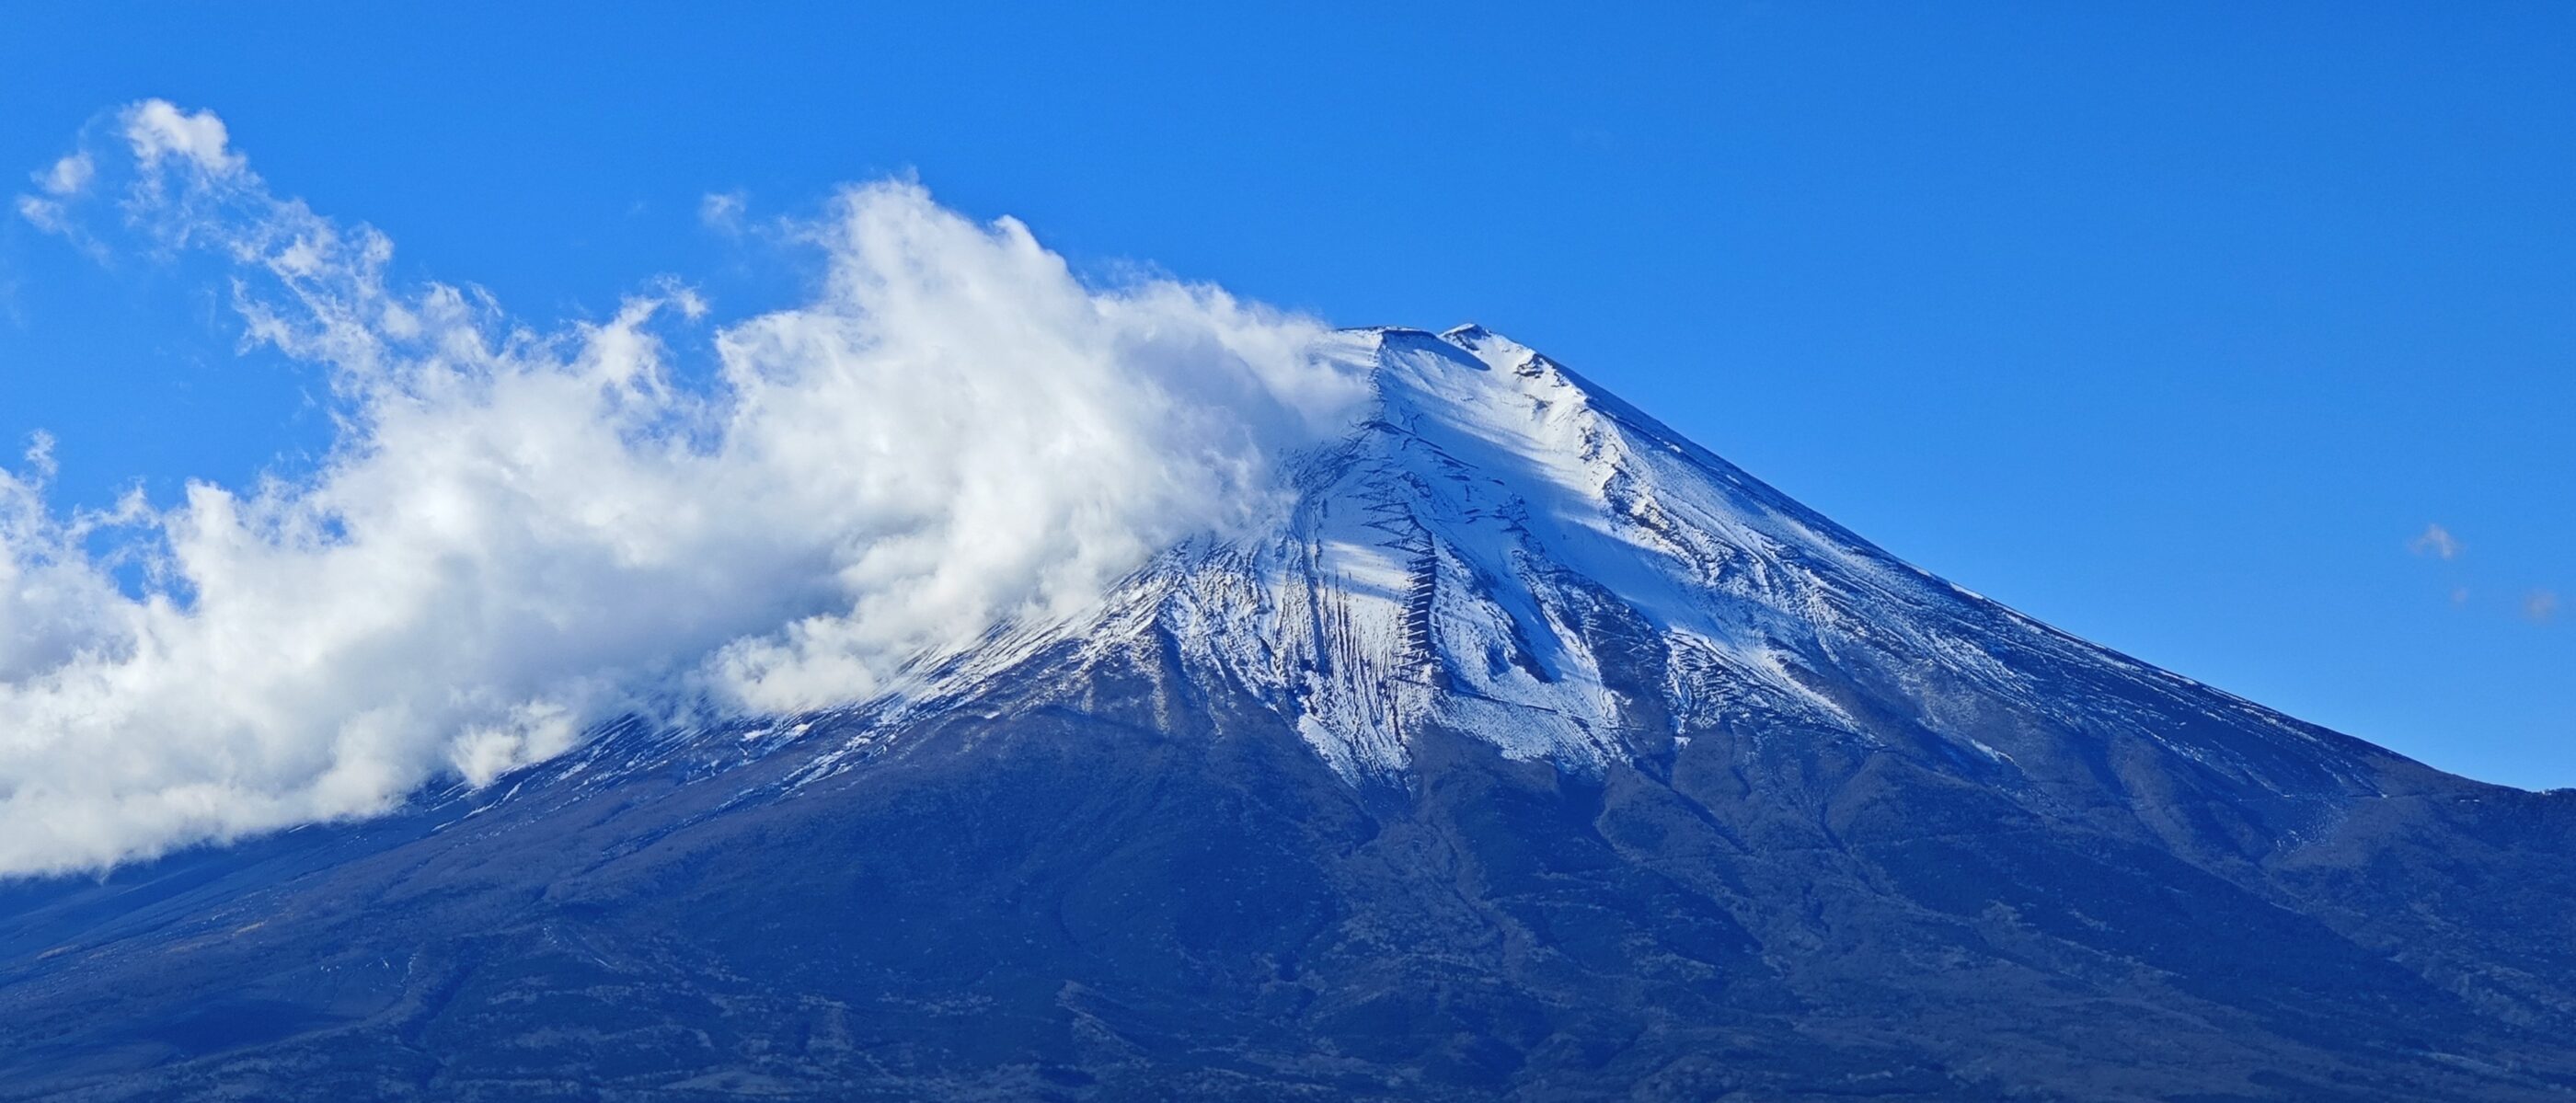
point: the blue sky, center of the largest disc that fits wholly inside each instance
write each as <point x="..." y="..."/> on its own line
<point x="2174" y="326"/>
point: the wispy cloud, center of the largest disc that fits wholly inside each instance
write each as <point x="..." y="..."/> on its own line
<point x="722" y="211"/>
<point x="156" y="129"/>
<point x="2437" y="542"/>
<point x="67" y="178"/>
<point x="2540" y="606"/>
<point x="525" y="529"/>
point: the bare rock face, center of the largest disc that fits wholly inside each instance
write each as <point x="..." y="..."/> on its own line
<point x="1533" y="752"/>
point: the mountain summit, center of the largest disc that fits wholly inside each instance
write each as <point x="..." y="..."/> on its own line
<point x="1527" y="750"/>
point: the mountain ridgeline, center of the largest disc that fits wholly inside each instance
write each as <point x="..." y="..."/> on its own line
<point x="1533" y="753"/>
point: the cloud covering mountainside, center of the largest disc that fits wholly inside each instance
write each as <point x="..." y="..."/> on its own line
<point x="523" y="529"/>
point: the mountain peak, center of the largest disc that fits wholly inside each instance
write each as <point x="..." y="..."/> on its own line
<point x="1530" y="750"/>
<point x="1476" y="339"/>
<point x="1506" y="550"/>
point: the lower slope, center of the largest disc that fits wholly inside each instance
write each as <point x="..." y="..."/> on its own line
<point x="1105" y="876"/>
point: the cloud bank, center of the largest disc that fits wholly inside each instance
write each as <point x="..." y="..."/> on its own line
<point x="524" y="530"/>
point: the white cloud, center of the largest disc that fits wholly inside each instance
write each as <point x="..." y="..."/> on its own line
<point x="44" y="214"/>
<point x="68" y="176"/>
<point x="2540" y="606"/>
<point x="2437" y="542"/>
<point x="521" y="532"/>
<point x="157" y="129"/>
<point x="722" y="211"/>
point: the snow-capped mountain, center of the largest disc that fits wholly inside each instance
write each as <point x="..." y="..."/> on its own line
<point x="1528" y="751"/>
<point x="1508" y="551"/>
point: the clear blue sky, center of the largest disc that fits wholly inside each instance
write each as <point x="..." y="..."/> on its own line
<point x="2171" y="325"/>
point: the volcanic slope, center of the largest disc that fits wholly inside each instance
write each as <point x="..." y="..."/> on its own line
<point x="1533" y="753"/>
